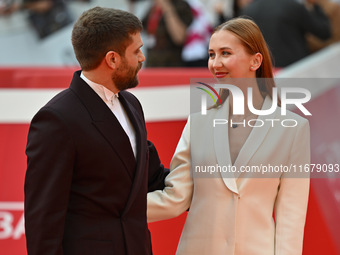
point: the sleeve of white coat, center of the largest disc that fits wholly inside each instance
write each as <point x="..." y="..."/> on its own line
<point x="175" y="198"/>
<point x="292" y="198"/>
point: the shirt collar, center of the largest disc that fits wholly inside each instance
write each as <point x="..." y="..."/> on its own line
<point x="104" y="93"/>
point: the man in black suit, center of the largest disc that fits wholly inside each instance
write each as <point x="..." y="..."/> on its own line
<point x="90" y="165"/>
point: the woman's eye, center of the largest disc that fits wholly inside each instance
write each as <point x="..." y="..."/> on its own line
<point x="225" y="53"/>
<point x="211" y="55"/>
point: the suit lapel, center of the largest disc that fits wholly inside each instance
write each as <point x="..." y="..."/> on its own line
<point x="119" y="141"/>
<point x="253" y="142"/>
<point x="140" y="132"/>
<point x="255" y="138"/>
<point x="106" y="123"/>
<point x="221" y="144"/>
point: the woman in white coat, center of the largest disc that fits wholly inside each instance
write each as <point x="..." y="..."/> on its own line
<point x="231" y="212"/>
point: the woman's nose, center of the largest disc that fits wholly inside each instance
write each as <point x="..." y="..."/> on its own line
<point x="217" y="62"/>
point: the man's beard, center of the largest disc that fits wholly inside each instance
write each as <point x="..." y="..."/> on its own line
<point x="127" y="78"/>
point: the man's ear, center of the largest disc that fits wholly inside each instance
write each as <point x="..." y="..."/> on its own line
<point x="112" y="59"/>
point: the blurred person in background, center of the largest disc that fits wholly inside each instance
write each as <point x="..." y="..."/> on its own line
<point x="229" y="9"/>
<point x="47" y="16"/>
<point x="166" y="24"/>
<point x="332" y="10"/>
<point x="239" y="5"/>
<point x="8" y="7"/>
<point x="194" y="53"/>
<point x="285" y="24"/>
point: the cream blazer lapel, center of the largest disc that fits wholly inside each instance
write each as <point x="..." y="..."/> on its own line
<point x="221" y="144"/>
<point x="254" y="140"/>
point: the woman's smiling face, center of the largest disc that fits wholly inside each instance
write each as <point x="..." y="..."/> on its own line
<point x="228" y="57"/>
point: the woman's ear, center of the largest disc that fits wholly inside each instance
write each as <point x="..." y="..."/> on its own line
<point x="112" y="59"/>
<point x="256" y="61"/>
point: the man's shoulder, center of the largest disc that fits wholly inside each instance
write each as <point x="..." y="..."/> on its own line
<point x="56" y="104"/>
<point x="60" y="99"/>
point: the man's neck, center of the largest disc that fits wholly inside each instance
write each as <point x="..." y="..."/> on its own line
<point x="101" y="78"/>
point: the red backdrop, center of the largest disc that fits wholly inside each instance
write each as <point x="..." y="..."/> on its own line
<point x="320" y="234"/>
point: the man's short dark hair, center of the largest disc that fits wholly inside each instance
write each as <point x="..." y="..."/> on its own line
<point x="99" y="30"/>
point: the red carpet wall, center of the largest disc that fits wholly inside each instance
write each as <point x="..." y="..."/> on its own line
<point x="321" y="233"/>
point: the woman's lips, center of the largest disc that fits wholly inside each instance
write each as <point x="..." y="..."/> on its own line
<point x="221" y="74"/>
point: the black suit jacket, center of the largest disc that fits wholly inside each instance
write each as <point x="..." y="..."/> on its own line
<point x="85" y="193"/>
<point x="285" y="24"/>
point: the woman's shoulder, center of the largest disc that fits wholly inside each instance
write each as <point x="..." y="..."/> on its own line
<point x="210" y="113"/>
<point x="291" y="121"/>
<point x="289" y="114"/>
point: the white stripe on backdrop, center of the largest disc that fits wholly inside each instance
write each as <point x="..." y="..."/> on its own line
<point x="162" y="103"/>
